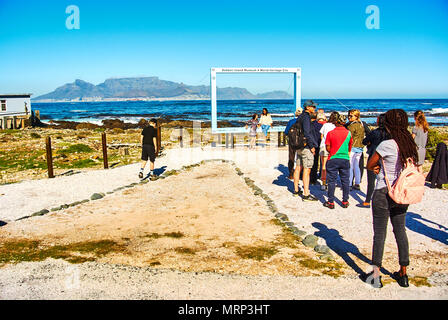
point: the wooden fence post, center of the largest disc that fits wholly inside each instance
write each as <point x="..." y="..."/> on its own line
<point x="159" y="137"/>
<point x="49" y="157"/>
<point x="279" y="137"/>
<point x="181" y="137"/>
<point x="284" y="138"/>
<point x="104" y="143"/>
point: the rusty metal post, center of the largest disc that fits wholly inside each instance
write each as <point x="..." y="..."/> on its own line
<point x="49" y="157"/>
<point x="279" y="137"/>
<point x="104" y="143"/>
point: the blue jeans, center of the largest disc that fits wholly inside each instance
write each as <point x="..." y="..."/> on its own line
<point x="265" y="128"/>
<point x="341" y="167"/>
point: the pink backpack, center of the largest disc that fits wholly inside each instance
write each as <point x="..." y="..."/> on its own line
<point x="410" y="185"/>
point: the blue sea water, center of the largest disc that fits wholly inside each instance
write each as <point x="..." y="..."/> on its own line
<point x="235" y="110"/>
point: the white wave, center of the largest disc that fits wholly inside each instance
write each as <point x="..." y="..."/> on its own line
<point x="438" y="110"/>
<point x="282" y="114"/>
<point x="426" y="103"/>
<point x="78" y="111"/>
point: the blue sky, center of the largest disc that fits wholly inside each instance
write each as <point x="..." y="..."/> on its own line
<point x="181" y="40"/>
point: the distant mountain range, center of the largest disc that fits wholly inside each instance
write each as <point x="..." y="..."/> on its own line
<point x="148" y="88"/>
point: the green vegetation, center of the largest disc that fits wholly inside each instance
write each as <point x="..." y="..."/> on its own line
<point x="434" y="138"/>
<point x="76" y="148"/>
<point x="15" y="251"/>
<point x="175" y="235"/>
<point x="256" y="252"/>
<point x="184" y="250"/>
<point x="419" y="281"/>
<point x="23" y="159"/>
<point x="35" y="135"/>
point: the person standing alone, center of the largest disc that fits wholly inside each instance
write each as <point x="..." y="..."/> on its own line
<point x="149" y="142"/>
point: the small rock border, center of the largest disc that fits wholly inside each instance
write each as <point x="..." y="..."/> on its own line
<point x="309" y="240"/>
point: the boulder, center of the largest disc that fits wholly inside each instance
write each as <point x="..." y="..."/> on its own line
<point x="322" y="249"/>
<point x="96" y="196"/>
<point x="310" y="241"/>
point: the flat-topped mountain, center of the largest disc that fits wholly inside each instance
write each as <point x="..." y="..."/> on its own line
<point x="148" y="88"/>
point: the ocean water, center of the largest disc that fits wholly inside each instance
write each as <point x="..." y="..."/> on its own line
<point x="235" y="111"/>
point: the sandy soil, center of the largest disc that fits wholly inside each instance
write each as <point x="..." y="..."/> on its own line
<point x="207" y="226"/>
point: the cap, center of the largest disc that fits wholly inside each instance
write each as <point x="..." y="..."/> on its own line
<point x="309" y="103"/>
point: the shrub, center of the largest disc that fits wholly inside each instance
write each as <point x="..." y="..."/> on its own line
<point x="434" y="138"/>
<point x="76" y="148"/>
<point x="35" y="135"/>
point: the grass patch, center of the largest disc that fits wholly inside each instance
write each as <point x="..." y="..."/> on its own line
<point x="76" y="148"/>
<point x="419" y="281"/>
<point x="175" y="235"/>
<point x="35" y="135"/>
<point x="185" y="250"/>
<point x="256" y="252"/>
<point x="15" y="251"/>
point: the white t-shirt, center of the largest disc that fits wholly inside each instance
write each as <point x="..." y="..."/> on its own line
<point x="327" y="127"/>
<point x="388" y="150"/>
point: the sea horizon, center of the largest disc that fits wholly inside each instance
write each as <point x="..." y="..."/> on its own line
<point x="234" y="111"/>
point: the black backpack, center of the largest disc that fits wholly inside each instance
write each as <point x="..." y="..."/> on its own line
<point x="296" y="136"/>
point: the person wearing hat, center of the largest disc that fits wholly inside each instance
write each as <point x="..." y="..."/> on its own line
<point x="305" y="156"/>
<point x="291" y="150"/>
<point x="149" y="143"/>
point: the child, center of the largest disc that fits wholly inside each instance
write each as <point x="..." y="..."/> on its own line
<point x="253" y="124"/>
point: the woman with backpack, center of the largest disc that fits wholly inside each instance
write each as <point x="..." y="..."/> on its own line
<point x="387" y="162"/>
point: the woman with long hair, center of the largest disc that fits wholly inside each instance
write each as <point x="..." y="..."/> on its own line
<point x="266" y="123"/>
<point x="356" y="128"/>
<point x="372" y="140"/>
<point x="327" y="127"/>
<point x="420" y="135"/>
<point x="393" y="154"/>
<point x="253" y="125"/>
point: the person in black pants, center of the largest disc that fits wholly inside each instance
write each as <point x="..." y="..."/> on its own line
<point x="315" y="128"/>
<point x="149" y="143"/>
<point x="291" y="150"/>
<point x="372" y="140"/>
<point x="389" y="158"/>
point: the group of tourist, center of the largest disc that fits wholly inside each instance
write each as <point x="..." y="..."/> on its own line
<point x="339" y="145"/>
<point x="345" y="147"/>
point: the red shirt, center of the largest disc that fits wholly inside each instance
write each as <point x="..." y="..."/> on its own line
<point x="340" y="141"/>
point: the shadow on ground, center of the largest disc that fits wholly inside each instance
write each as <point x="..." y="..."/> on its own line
<point x="415" y="223"/>
<point x="343" y="248"/>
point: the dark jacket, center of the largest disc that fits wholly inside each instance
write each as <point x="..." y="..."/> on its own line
<point x="305" y="120"/>
<point x="438" y="174"/>
<point x="373" y="139"/>
<point x="316" y="126"/>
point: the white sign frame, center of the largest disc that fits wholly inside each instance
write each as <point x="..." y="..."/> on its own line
<point x="297" y="72"/>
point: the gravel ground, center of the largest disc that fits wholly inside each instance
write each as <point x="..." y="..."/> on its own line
<point x="343" y="230"/>
<point x="56" y="279"/>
